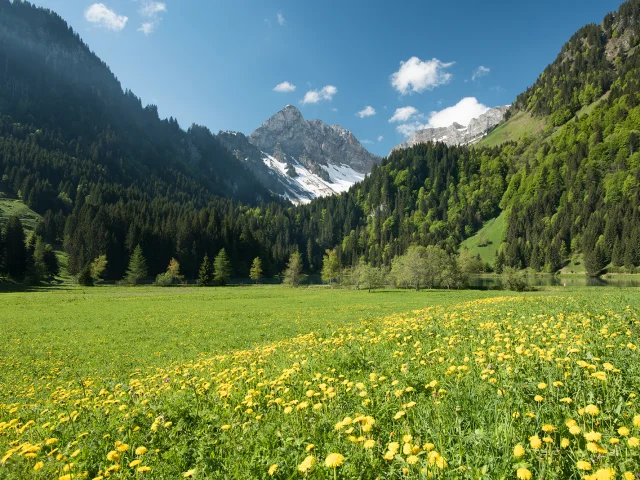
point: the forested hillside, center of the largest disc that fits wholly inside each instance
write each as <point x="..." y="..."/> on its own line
<point x="108" y="175"/>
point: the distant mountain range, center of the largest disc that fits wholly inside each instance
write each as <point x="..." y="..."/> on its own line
<point x="457" y="134"/>
<point x="299" y="159"/>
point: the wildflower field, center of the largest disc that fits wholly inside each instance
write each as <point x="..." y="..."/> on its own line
<point x="320" y="384"/>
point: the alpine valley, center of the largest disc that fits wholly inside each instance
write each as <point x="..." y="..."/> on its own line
<point x="550" y="183"/>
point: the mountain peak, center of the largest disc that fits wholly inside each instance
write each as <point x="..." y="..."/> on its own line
<point x="291" y="112"/>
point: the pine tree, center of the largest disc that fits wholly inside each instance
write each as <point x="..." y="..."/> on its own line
<point x="595" y="261"/>
<point x="84" y="278"/>
<point x="256" y="270"/>
<point x="15" y="250"/>
<point x="206" y="277"/>
<point x="137" y="270"/>
<point x="293" y="274"/>
<point x="2" y="254"/>
<point x="222" y="268"/>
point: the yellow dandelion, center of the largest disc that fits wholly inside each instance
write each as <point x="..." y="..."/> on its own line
<point x="113" y="456"/>
<point x="535" y="442"/>
<point x="334" y="460"/>
<point x="518" y="451"/>
<point x="591" y="410"/>
<point x="412" y="460"/>
<point x="272" y="469"/>
<point x="189" y="473"/>
<point x="135" y="463"/>
<point x="623" y="431"/>
<point x="38" y="466"/>
<point x="575" y="430"/>
<point x="141" y="450"/>
<point x="593" y="436"/>
<point x="582" y="465"/>
<point x="523" y="474"/>
<point x="143" y="469"/>
<point x="307" y="464"/>
<point x="633" y="442"/>
<point x="369" y="444"/>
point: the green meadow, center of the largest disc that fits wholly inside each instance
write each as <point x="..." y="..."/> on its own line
<point x="276" y="382"/>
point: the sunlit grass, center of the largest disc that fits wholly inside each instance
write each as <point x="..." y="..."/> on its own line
<point x="528" y="387"/>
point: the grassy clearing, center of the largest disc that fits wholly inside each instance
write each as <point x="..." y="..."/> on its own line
<point x="526" y="386"/>
<point x="112" y="331"/>
<point x="490" y="235"/>
<point x="521" y="124"/>
<point x="13" y="206"/>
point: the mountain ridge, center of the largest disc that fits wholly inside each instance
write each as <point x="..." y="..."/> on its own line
<point x="456" y="134"/>
<point x="301" y="159"/>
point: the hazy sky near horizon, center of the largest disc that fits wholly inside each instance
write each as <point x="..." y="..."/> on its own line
<point x="380" y="69"/>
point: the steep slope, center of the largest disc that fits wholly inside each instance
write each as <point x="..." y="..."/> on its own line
<point x="457" y="134"/>
<point x="306" y="159"/>
<point x="569" y="188"/>
<point x="59" y="99"/>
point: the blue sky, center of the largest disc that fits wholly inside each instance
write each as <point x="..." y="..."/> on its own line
<point x="217" y="62"/>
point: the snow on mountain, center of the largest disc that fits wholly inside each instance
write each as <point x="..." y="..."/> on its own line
<point x="457" y="134"/>
<point x="301" y="160"/>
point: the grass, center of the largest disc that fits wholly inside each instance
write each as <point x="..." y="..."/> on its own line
<point x="10" y="206"/>
<point x="490" y="235"/>
<point x="116" y="330"/>
<point x="241" y="382"/>
<point x="521" y="124"/>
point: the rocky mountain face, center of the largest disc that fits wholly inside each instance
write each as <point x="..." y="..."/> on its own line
<point x="457" y="134"/>
<point x="299" y="159"/>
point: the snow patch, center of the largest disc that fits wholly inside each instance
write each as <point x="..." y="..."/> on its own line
<point x="306" y="185"/>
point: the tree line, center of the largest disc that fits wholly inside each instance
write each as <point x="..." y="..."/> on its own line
<point x="113" y="182"/>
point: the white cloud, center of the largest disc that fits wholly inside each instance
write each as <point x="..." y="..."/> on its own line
<point x="366" y="141"/>
<point x="284" y="87"/>
<point x="380" y="138"/>
<point x="368" y="111"/>
<point x="281" y="20"/>
<point x="480" y="72"/>
<point x="147" y="28"/>
<point x="315" y="96"/>
<point x="462" y="112"/>
<point x="104" y="17"/>
<point x="151" y="11"/>
<point x="403" y="114"/>
<point x="417" y="76"/>
<point x="334" y="109"/>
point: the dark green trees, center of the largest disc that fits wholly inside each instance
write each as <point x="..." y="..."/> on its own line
<point x="15" y="250"/>
<point x="206" y="276"/>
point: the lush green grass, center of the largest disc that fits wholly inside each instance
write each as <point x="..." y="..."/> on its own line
<point x="445" y="392"/>
<point x="116" y="330"/>
<point x="12" y="206"/>
<point x="521" y="124"/>
<point x="490" y="235"/>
